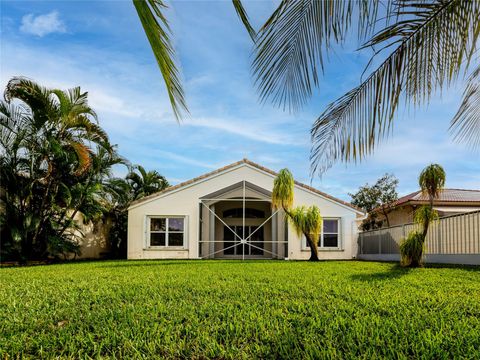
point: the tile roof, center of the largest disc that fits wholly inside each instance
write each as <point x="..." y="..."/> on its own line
<point x="230" y="166"/>
<point x="446" y="195"/>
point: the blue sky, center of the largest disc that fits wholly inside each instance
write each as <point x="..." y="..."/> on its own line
<point x="100" y="46"/>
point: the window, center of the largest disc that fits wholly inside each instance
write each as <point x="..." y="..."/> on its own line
<point x="166" y="231"/>
<point x="330" y="233"/>
<point x="330" y="236"/>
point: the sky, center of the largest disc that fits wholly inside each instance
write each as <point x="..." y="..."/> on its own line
<point x="101" y="47"/>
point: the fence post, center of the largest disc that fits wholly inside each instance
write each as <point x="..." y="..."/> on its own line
<point x="439" y="234"/>
<point x="380" y="244"/>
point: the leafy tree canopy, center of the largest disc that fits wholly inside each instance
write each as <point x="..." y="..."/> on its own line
<point x="377" y="196"/>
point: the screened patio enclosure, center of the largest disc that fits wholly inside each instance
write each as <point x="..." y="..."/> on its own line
<point x="238" y="222"/>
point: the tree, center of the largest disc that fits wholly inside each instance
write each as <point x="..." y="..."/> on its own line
<point x="305" y="220"/>
<point x="431" y="181"/>
<point x="379" y="196"/>
<point x="119" y="193"/>
<point x="145" y="182"/>
<point x="426" y="45"/>
<point x="50" y="144"/>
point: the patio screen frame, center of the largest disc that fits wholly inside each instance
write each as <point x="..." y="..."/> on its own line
<point x="244" y="240"/>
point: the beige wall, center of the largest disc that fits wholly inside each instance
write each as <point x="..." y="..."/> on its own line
<point x="185" y="202"/>
<point x="398" y="216"/>
<point x="92" y="238"/>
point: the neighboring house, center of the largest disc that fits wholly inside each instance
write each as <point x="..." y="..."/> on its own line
<point x="227" y="214"/>
<point x="449" y="202"/>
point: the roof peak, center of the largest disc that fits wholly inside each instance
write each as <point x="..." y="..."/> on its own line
<point x="233" y="165"/>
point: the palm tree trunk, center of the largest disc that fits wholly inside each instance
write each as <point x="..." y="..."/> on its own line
<point x="313" y="249"/>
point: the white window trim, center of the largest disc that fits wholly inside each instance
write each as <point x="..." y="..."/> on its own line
<point x="147" y="245"/>
<point x="328" y="248"/>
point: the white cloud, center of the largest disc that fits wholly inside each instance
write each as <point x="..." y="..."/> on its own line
<point x="248" y="130"/>
<point x="42" y="25"/>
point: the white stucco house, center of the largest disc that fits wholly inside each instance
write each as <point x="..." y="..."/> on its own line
<point x="227" y="214"/>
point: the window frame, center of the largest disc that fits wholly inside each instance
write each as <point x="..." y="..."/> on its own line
<point x="148" y="232"/>
<point x="321" y="247"/>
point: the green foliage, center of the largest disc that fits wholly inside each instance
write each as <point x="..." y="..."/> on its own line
<point x="378" y="197"/>
<point x="424" y="47"/>
<point x="432" y="181"/>
<point x="465" y="125"/>
<point x="425" y="215"/>
<point x="119" y="193"/>
<point x="145" y="182"/>
<point x="239" y="310"/>
<point x="157" y="29"/>
<point x="53" y="154"/>
<point x="411" y="249"/>
<point x="305" y="220"/>
<point x="282" y="193"/>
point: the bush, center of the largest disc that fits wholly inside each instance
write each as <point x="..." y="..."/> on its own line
<point x="411" y="249"/>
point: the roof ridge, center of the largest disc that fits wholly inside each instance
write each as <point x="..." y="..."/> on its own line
<point x="232" y="165"/>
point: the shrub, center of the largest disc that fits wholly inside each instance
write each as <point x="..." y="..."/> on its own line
<point x="411" y="249"/>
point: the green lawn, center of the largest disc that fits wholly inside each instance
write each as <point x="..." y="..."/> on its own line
<point x="233" y="309"/>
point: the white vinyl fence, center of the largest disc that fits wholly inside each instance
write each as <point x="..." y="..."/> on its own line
<point x="452" y="239"/>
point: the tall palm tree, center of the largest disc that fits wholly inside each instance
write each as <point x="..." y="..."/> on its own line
<point x="426" y="45"/>
<point x="145" y="182"/>
<point x="306" y="221"/>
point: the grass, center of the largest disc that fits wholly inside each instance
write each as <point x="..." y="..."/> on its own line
<point x="233" y="309"/>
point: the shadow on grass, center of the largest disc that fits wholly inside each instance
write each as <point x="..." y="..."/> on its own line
<point x="168" y="262"/>
<point x="395" y="272"/>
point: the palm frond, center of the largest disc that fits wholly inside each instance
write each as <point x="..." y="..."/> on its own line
<point x="433" y="41"/>
<point x="282" y="193"/>
<point x="292" y="45"/>
<point x="83" y="156"/>
<point x="92" y="131"/>
<point x="432" y="180"/>
<point x="465" y="126"/>
<point x="242" y="14"/>
<point x="158" y="31"/>
<point x="37" y="98"/>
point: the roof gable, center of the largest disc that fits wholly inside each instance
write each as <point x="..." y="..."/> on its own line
<point x="232" y="166"/>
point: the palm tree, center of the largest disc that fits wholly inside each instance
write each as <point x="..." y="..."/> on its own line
<point x="47" y="165"/>
<point x="426" y="44"/>
<point x="431" y="181"/>
<point x="145" y="182"/>
<point x="306" y="221"/>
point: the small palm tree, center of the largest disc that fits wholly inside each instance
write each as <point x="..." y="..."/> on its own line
<point x="306" y="221"/>
<point x="145" y="182"/>
<point x="431" y="181"/>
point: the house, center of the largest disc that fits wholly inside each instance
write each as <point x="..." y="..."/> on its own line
<point x="449" y="202"/>
<point x="227" y="214"/>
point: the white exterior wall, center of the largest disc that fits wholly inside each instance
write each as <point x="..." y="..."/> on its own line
<point x="185" y="202"/>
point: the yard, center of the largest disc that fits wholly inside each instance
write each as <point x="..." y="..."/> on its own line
<point x="234" y="309"/>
